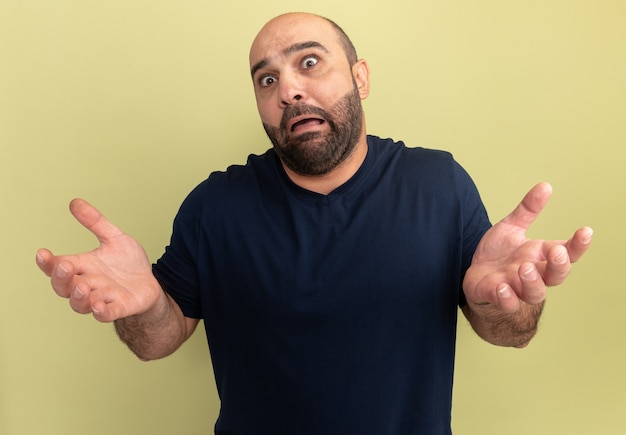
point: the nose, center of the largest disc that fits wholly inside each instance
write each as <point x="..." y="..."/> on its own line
<point x="290" y="90"/>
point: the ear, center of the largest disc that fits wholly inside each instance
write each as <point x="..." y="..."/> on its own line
<point x="361" y="74"/>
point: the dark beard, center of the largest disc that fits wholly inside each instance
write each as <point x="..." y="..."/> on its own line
<point x="316" y="153"/>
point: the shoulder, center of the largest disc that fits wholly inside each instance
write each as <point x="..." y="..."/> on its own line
<point x="257" y="166"/>
<point x="398" y="158"/>
<point x="382" y="147"/>
<point x="231" y="186"/>
<point x="257" y="170"/>
<point x="432" y="172"/>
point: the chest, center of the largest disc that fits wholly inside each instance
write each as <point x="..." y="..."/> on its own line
<point x="379" y="252"/>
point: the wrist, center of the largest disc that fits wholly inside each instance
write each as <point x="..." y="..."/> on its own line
<point x="505" y="329"/>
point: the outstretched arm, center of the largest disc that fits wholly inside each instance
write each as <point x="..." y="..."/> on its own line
<point x="506" y="283"/>
<point x="114" y="282"/>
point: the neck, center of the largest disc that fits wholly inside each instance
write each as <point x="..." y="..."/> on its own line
<point x="324" y="184"/>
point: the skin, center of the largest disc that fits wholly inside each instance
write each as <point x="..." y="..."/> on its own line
<point x="505" y="286"/>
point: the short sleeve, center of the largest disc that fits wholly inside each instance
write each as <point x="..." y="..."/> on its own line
<point x="475" y="221"/>
<point x="177" y="270"/>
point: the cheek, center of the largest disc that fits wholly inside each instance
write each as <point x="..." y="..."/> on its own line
<point x="332" y="91"/>
<point x="268" y="113"/>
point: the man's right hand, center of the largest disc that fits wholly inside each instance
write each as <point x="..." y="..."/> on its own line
<point x="113" y="281"/>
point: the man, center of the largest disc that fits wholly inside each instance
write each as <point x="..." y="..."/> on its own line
<point x="328" y="271"/>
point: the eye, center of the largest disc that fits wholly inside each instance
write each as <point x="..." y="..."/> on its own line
<point x="309" y="61"/>
<point x="267" y="80"/>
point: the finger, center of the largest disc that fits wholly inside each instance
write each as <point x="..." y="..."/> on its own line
<point x="101" y="301"/>
<point x="579" y="243"/>
<point x="94" y="221"/>
<point x="98" y="300"/>
<point x="62" y="278"/>
<point x="46" y="261"/>
<point x="61" y="272"/>
<point x="80" y="298"/>
<point x="533" y="290"/>
<point x="530" y="207"/>
<point x="557" y="267"/>
<point x="507" y="299"/>
<point x="106" y="312"/>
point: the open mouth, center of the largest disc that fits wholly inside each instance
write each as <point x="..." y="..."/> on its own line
<point x="305" y="123"/>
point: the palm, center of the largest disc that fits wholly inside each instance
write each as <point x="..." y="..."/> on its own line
<point x="119" y="266"/>
<point x="498" y="258"/>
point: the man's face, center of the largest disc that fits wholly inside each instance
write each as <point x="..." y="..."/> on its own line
<point x="307" y="96"/>
<point x="317" y="151"/>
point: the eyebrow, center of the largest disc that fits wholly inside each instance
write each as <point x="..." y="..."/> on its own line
<point x="299" y="46"/>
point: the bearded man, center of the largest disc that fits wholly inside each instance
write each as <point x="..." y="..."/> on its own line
<point x="329" y="270"/>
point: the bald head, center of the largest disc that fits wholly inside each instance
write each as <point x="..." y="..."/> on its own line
<point x="276" y="29"/>
<point x="345" y="42"/>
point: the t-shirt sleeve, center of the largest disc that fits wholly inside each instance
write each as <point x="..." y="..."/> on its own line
<point x="177" y="269"/>
<point x="475" y="221"/>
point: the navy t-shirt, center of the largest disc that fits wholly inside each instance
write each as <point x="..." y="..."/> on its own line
<point x="329" y="314"/>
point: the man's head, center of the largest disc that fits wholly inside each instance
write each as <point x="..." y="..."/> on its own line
<point x="309" y="85"/>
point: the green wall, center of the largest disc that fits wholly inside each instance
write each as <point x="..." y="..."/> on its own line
<point x="130" y="104"/>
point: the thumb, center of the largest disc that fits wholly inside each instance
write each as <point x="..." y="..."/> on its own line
<point x="531" y="206"/>
<point x="94" y="221"/>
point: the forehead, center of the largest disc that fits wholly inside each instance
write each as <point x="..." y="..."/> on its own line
<point x="279" y="35"/>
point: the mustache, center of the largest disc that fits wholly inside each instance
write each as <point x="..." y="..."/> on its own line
<point x="302" y="109"/>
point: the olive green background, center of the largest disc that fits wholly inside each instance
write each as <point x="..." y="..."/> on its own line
<point x="130" y="104"/>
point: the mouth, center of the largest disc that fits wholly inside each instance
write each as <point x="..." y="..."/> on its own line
<point x="304" y="123"/>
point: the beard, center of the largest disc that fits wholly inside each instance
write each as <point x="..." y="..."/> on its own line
<point x="318" y="153"/>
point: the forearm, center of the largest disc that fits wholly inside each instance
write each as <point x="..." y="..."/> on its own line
<point x="504" y="329"/>
<point x="156" y="333"/>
